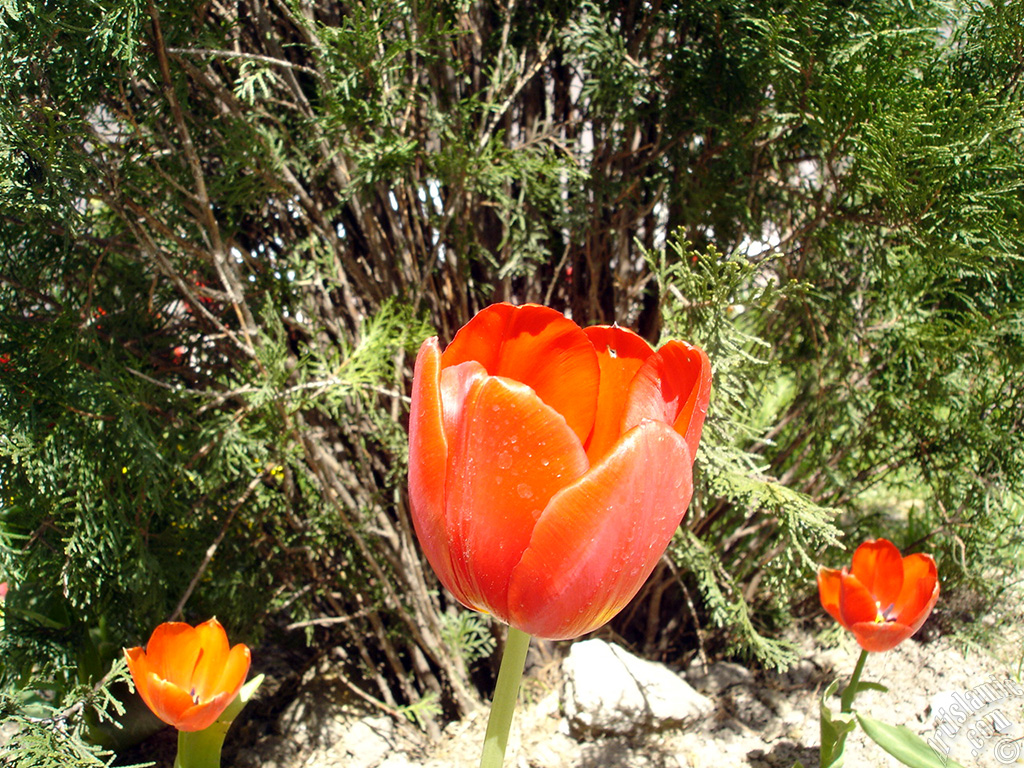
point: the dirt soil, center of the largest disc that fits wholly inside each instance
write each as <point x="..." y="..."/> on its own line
<point x="761" y="719"/>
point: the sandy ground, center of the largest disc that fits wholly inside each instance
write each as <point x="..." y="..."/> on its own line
<point x="761" y="719"/>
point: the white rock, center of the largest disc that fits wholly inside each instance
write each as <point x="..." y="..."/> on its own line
<point x="608" y="690"/>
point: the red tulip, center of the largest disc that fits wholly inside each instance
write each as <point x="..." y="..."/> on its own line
<point x="188" y="676"/>
<point x="549" y="465"/>
<point x="883" y="598"/>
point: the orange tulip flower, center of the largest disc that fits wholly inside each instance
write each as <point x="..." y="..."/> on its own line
<point x="188" y="676"/>
<point x="883" y="598"/>
<point x="549" y="465"/>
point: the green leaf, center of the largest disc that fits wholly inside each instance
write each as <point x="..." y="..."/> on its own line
<point x="903" y="744"/>
<point x="834" y="730"/>
<point x="244" y="695"/>
<point x="868" y="686"/>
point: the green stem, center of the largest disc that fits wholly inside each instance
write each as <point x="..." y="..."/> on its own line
<point x="201" y="749"/>
<point x="517" y="643"/>
<point x="851" y="689"/>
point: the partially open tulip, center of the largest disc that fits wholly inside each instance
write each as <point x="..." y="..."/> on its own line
<point x="549" y="465"/>
<point x="187" y="675"/>
<point x="883" y="598"/>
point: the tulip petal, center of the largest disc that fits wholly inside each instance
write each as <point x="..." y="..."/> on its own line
<point x="167" y="700"/>
<point x="140" y="667"/>
<point x="877" y="638"/>
<point x="137" y="660"/>
<point x="172" y="651"/>
<point x="620" y="353"/>
<point x="829" y="584"/>
<point x="201" y="716"/>
<point x="234" y="672"/>
<point x="878" y="565"/>
<point x="673" y="386"/>
<point x="511" y="454"/>
<point x="456" y="383"/>
<point x="209" y="666"/>
<point x="600" y="538"/>
<point x="540" y="348"/>
<point x="428" y="461"/>
<point x="856" y="603"/>
<point x="920" y="591"/>
<point x="884" y="598"/>
<point x="187" y="676"/>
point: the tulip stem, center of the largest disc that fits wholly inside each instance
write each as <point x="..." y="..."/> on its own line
<point x="201" y="749"/>
<point x="506" y="691"/>
<point x="851" y="689"/>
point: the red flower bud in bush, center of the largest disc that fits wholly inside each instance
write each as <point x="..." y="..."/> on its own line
<point x="188" y="676"/>
<point x="883" y="598"/>
<point x="549" y="465"/>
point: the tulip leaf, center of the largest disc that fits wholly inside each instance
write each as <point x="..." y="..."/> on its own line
<point x="249" y="689"/>
<point x="244" y="695"/>
<point x="858" y="687"/>
<point x="903" y="744"/>
<point x="834" y="730"/>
